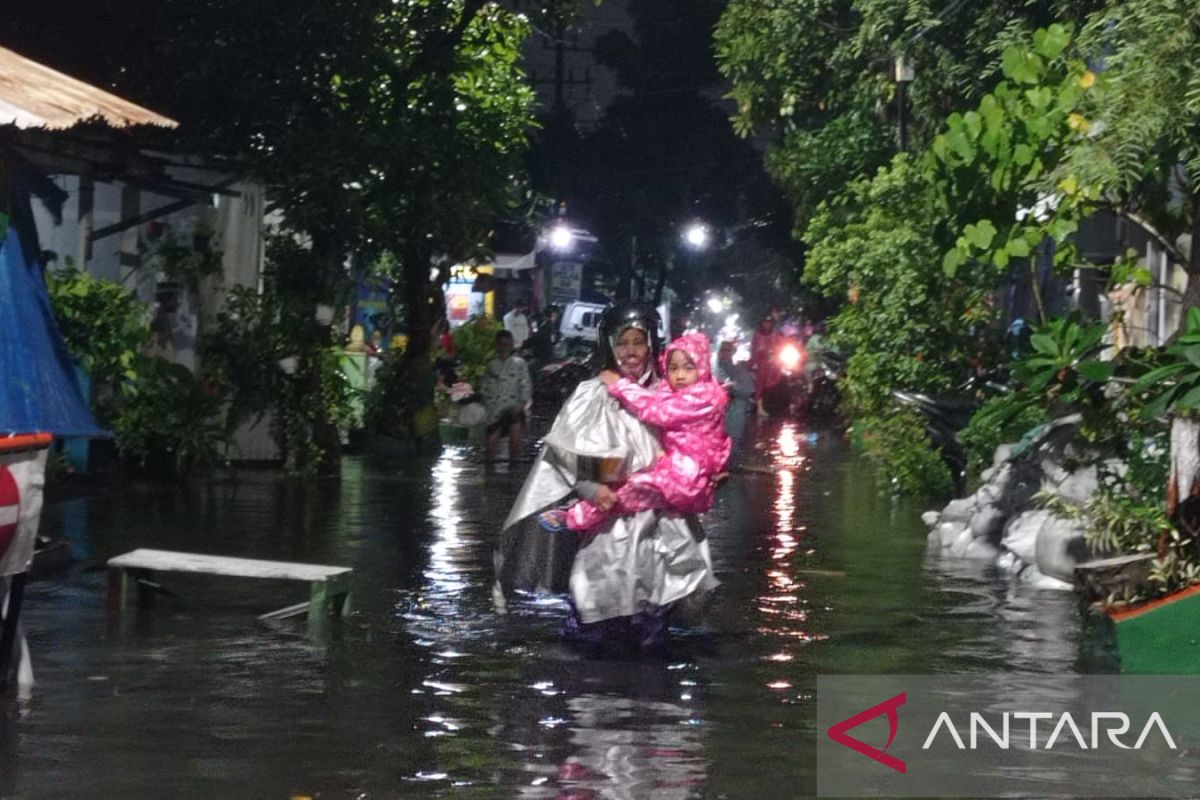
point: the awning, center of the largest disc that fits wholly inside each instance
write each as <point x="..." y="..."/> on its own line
<point x="514" y="261"/>
<point x="34" y="96"/>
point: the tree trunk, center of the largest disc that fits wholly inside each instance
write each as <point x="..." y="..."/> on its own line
<point x="424" y="304"/>
<point x="1183" y="487"/>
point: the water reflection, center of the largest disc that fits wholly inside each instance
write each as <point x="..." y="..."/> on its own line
<point x="428" y="694"/>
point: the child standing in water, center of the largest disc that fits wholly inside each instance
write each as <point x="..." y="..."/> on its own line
<point x="690" y="415"/>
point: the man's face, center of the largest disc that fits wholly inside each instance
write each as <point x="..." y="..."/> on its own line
<point x="504" y="346"/>
<point x="632" y="351"/>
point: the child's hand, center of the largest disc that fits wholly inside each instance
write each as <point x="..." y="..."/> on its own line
<point x="605" y="498"/>
<point x="608" y="377"/>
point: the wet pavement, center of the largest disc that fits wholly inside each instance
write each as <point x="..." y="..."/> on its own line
<point x="424" y="692"/>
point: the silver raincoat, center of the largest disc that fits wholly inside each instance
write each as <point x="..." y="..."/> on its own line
<point x="632" y="563"/>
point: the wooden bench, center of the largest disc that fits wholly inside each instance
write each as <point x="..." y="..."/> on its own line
<point x="329" y="586"/>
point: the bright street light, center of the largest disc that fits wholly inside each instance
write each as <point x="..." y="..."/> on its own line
<point x="715" y="305"/>
<point x="696" y="235"/>
<point x="561" y="237"/>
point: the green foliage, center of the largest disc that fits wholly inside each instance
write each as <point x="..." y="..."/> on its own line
<point x="255" y="335"/>
<point x="991" y="163"/>
<point x="169" y="414"/>
<point x="476" y="344"/>
<point x="377" y="124"/>
<point x="1148" y="103"/>
<point x="103" y="325"/>
<point x="807" y="70"/>
<point x="184" y="260"/>
<point x="910" y="463"/>
<point x="1174" y="385"/>
<point x="401" y="400"/>
<point x="1001" y="419"/>
<point x="1063" y="370"/>
<point x="906" y="325"/>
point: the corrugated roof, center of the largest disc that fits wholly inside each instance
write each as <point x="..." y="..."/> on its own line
<point x="35" y="96"/>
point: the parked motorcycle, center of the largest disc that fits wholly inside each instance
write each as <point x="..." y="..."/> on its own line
<point x="823" y="394"/>
<point x="945" y="416"/>
<point x="554" y="380"/>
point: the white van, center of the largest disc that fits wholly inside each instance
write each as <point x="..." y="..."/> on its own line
<point x="581" y="321"/>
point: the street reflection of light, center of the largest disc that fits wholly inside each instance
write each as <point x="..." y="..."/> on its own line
<point x="789" y="443"/>
<point x="447" y="552"/>
<point x="780" y="657"/>
<point x="449" y="688"/>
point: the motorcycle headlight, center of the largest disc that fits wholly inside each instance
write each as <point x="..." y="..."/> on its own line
<point x="790" y="357"/>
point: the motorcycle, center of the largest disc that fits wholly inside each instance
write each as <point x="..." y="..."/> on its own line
<point x="945" y="416"/>
<point x="554" y="380"/>
<point x="788" y="395"/>
<point x="823" y="394"/>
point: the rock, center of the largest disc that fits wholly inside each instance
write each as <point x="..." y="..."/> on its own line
<point x="981" y="550"/>
<point x="930" y="518"/>
<point x="1003" y="478"/>
<point x="947" y="532"/>
<point x="1009" y="562"/>
<point x="1053" y="471"/>
<point x="1061" y="547"/>
<point x="960" y="544"/>
<point x="987" y="474"/>
<point x="959" y="510"/>
<point x="1021" y="534"/>
<point x="988" y="522"/>
<point x="1003" y="453"/>
<point x="1079" y="486"/>
<point x="1038" y="580"/>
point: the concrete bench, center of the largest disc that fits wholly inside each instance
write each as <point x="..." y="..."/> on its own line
<point x="329" y="586"/>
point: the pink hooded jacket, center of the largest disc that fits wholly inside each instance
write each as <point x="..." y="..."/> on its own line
<point x="692" y="419"/>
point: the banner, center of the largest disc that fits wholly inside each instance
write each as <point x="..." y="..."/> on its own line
<point x="22" y="478"/>
<point x="1008" y="735"/>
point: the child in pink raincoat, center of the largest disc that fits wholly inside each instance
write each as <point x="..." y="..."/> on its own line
<point x="689" y="413"/>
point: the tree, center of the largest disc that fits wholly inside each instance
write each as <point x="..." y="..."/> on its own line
<point x="377" y="124"/>
<point x="813" y="76"/>
<point x="1143" y="122"/>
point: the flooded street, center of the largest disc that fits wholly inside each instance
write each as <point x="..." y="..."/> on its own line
<point x="424" y="692"/>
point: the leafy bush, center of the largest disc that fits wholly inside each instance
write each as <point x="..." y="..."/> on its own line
<point x="255" y="334"/>
<point x="400" y="402"/>
<point x="900" y="443"/>
<point x="476" y="344"/>
<point x="102" y="324"/>
<point x="1001" y="419"/>
<point x="169" y="415"/>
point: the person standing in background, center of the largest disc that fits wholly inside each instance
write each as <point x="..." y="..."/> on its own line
<point x="507" y="392"/>
<point x="516" y="322"/>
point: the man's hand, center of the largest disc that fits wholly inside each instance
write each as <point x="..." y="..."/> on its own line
<point x="605" y="497"/>
<point x="608" y="377"/>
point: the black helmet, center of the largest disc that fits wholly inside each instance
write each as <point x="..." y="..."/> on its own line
<point x="617" y="319"/>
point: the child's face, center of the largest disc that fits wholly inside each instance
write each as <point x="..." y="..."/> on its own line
<point x="681" y="371"/>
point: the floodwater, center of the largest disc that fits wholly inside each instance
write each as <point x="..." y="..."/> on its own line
<point x="424" y="692"/>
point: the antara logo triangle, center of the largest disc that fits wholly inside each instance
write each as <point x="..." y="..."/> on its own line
<point x="838" y="732"/>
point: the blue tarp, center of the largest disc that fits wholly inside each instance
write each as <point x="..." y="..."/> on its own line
<point x="38" y="391"/>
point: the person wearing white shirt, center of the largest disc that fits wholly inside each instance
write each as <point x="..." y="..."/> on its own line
<point x="517" y="323"/>
<point x="507" y="392"/>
